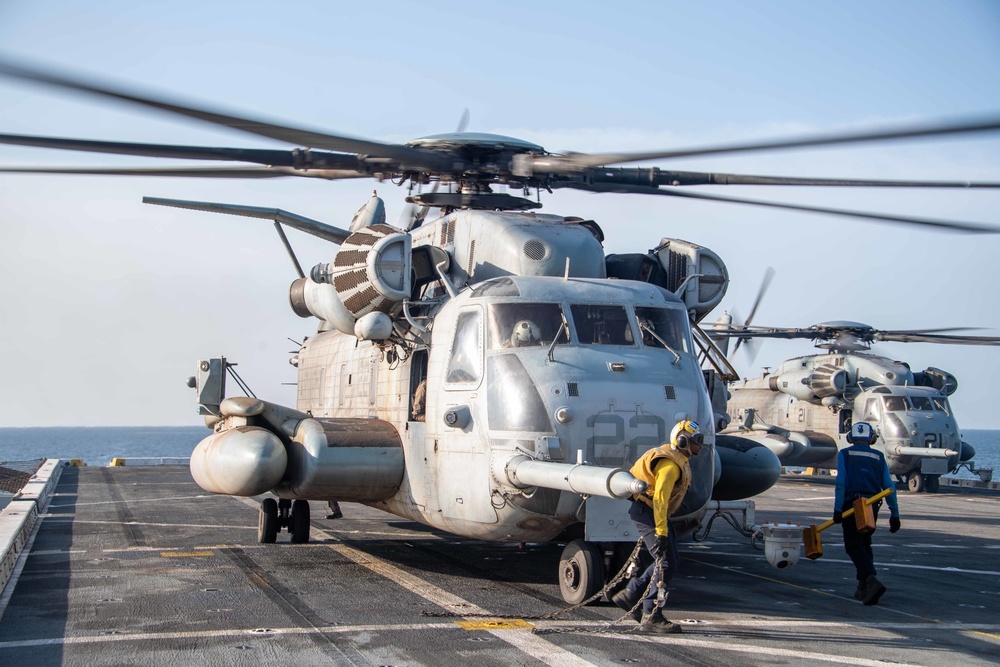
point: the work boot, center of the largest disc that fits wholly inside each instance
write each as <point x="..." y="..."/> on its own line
<point x="654" y="623"/>
<point x="859" y="592"/>
<point x="873" y="591"/>
<point x="627" y="600"/>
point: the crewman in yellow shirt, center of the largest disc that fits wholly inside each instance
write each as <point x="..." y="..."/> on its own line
<point x="666" y="471"/>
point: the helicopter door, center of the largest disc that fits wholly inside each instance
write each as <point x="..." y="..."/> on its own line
<point x="462" y="466"/>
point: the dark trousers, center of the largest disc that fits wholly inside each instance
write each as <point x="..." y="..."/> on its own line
<point x="642" y="516"/>
<point x="859" y="546"/>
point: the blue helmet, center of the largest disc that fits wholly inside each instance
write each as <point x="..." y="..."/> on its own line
<point x="862" y="432"/>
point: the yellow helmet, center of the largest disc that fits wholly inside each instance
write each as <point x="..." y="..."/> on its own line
<point x="684" y="433"/>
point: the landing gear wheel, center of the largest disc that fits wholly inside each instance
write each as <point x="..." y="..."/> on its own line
<point x="300" y="522"/>
<point x="915" y="482"/>
<point x="267" y="525"/>
<point x="581" y="571"/>
<point x="933" y="483"/>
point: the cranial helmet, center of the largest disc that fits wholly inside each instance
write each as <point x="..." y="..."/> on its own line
<point x="862" y="432"/>
<point x="684" y="433"/>
<point x="526" y="332"/>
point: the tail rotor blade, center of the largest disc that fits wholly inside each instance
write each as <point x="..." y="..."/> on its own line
<point x="765" y="283"/>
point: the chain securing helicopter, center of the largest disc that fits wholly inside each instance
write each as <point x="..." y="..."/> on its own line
<point x="548" y="367"/>
<point x="803" y="410"/>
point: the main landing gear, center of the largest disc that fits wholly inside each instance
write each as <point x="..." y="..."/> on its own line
<point x="283" y="513"/>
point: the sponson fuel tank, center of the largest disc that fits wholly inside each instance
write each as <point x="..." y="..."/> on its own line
<point x="259" y="446"/>
<point x="359" y="460"/>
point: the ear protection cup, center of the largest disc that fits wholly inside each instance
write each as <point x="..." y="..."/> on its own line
<point x="683" y="441"/>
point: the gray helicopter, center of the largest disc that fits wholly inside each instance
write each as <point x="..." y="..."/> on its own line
<point x="488" y="371"/>
<point x="803" y="409"/>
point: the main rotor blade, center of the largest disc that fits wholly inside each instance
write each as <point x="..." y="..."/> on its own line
<point x="766" y="333"/>
<point x="823" y="332"/>
<point x="894" y="337"/>
<point x="192" y="172"/>
<point x="968" y="227"/>
<point x="579" y="161"/>
<point x="272" y="158"/>
<point x="407" y="157"/>
<point x="705" y="178"/>
<point x="300" y="222"/>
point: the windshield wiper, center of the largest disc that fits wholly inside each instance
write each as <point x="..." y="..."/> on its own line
<point x="562" y="327"/>
<point x="649" y="330"/>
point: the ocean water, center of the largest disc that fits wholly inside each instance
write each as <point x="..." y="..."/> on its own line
<point x="97" y="445"/>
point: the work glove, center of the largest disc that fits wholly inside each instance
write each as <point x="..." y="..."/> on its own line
<point x="893" y="524"/>
<point x="838" y="517"/>
<point x="660" y="548"/>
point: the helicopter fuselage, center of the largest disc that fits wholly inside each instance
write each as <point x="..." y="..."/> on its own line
<point x="590" y="386"/>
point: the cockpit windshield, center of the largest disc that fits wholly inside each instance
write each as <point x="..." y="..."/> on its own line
<point x="895" y="403"/>
<point x="941" y="403"/>
<point x="664" y="325"/>
<point x="526" y="324"/>
<point x="603" y="325"/>
<point x="921" y="403"/>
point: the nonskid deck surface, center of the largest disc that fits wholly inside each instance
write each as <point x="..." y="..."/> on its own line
<point x="138" y="566"/>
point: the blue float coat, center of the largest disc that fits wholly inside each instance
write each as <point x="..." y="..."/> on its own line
<point x="863" y="470"/>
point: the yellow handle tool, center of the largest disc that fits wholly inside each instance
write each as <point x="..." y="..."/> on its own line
<point x="811" y="538"/>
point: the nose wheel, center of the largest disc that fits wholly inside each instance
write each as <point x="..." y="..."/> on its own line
<point x="915" y="482"/>
<point x="919" y="483"/>
<point x="283" y="513"/>
<point x="581" y="571"/>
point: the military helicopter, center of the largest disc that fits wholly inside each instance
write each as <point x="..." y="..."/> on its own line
<point x="489" y="372"/>
<point x="803" y="409"/>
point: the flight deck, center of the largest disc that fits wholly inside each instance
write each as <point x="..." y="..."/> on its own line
<point x="139" y="566"/>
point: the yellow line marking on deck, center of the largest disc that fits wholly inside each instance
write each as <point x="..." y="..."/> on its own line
<point x="498" y="624"/>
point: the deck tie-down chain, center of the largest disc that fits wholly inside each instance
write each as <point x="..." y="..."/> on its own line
<point x="610" y="627"/>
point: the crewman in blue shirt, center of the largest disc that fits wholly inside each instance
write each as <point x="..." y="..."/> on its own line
<point x="667" y="474"/>
<point x="861" y="473"/>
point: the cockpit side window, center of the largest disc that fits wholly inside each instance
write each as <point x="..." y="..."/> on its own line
<point x="601" y="325"/>
<point x="465" y="366"/>
<point x="941" y="403"/>
<point x="526" y="325"/>
<point x="921" y="403"/>
<point x="895" y="403"/>
<point x="872" y="412"/>
<point x="664" y="325"/>
<point x="892" y="426"/>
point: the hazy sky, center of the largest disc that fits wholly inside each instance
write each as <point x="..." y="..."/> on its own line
<point x="109" y="303"/>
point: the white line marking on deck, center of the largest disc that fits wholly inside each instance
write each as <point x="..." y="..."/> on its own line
<point x="950" y="570"/>
<point x="132" y="501"/>
<point x="597" y="625"/>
